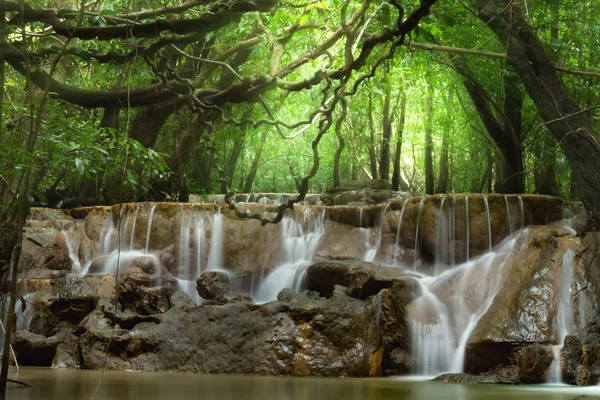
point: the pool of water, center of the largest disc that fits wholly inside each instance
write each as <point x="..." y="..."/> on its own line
<point x="81" y="385"/>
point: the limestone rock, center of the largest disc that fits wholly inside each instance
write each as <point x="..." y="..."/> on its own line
<point x="363" y="279"/>
<point x="534" y="364"/>
<point x="504" y="375"/>
<point x="581" y="357"/>
<point x="303" y="336"/>
<point x="358" y="193"/>
<point x="35" y="350"/>
<point x="212" y="285"/>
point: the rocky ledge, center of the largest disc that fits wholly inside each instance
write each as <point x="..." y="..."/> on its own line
<point x="300" y="334"/>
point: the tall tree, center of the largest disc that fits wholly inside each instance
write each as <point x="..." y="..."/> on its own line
<point x="397" y="180"/>
<point x="429" y="179"/>
<point x="442" y="185"/>
<point x="568" y="123"/>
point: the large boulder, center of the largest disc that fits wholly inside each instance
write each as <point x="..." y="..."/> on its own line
<point x="363" y="279"/>
<point x="392" y="320"/>
<point x="35" y="350"/>
<point x="213" y="285"/>
<point x="581" y="357"/>
<point x="363" y="192"/>
<point x="301" y="336"/>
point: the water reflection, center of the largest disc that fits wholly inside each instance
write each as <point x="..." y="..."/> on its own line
<point x="80" y="385"/>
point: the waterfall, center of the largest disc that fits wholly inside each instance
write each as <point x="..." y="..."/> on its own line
<point x="372" y="249"/>
<point x="421" y="204"/>
<point x="132" y="241"/>
<point x="298" y="247"/>
<point x="432" y="342"/>
<point x="442" y="241"/>
<point x="398" y="248"/>
<point x="509" y="222"/>
<point x="215" y="258"/>
<point x="441" y="329"/>
<point x="565" y="321"/>
<point x="522" y="220"/>
<point x="489" y="223"/>
<point x="149" y="231"/>
<point x="76" y="268"/>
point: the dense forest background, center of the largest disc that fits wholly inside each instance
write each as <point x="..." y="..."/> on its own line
<point x="116" y="101"/>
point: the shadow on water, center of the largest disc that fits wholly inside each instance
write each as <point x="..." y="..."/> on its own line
<point x="80" y="385"/>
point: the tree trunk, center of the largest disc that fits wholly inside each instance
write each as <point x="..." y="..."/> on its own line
<point x="255" y="162"/>
<point x="372" y="154"/>
<point x="442" y="186"/>
<point x="544" y="175"/>
<point x="397" y="180"/>
<point x="568" y="123"/>
<point x="384" y="159"/>
<point x="505" y="130"/>
<point x="341" y="145"/>
<point x="429" y="181"/>
<point x="238" y="146"/>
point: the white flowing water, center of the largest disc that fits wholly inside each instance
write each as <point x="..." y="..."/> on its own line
<point x="509" y="222"/>
<point x="299" y="241"/>
<point x="565" y="320"/>
<point x="373" y="248"/>
<point x="215" y="259"/>
<point x="441" y="326"/>
<point x="522" y="215"/>
<point x="398" y="248"/>
<point x="442" y="240"/>
<point x="73" y="256"/>
<point x="489" y="223"/>
<point x="149" y="231"/>
<point x="416" y="258"/>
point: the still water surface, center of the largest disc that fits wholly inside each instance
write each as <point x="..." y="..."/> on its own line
<point x="80" y="385"/>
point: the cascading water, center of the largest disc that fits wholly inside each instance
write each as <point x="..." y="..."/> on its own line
<point x="522" y="214"/>
<point x="149" y="231"/>
<point x="419" y="215"/>
<point x="398" y="249"/>
<point x="215" y="259"/>
<point x="489" y="223"/>
<point x="565" y="321"/>
<point x="373" y="248"/>
<point x="300" y="239"/>
<point x="509" y="222"/>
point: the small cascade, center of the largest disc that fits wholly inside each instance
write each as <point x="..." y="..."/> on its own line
<point x="565" y="320"/>
<point x="419" y="215"/>
<point x="215" y="258"/>
<point x="432" y="342"/>
<point x="132" y="241"/>
<point x="76" y="268"/>
<point x="522" y="214"/>
<point x="374" y="247"/>
<point x="509" y="222"/>
<point x="443" y="240"/>
<point x="300" y="239"/>
<point x="441" y="329"/>
<point x="149" y="231"/>
<point x="398" y="249"/>
<point x="489" y="223"/>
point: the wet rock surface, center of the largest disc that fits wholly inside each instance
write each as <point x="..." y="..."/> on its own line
<point x="301" y="336"/>
<point x="503" y="375"/>
<point x="358" y="193"/>
<point x="581" y="356"/>
<point x="363" y="279"/>
<point x="213" y="285"/>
